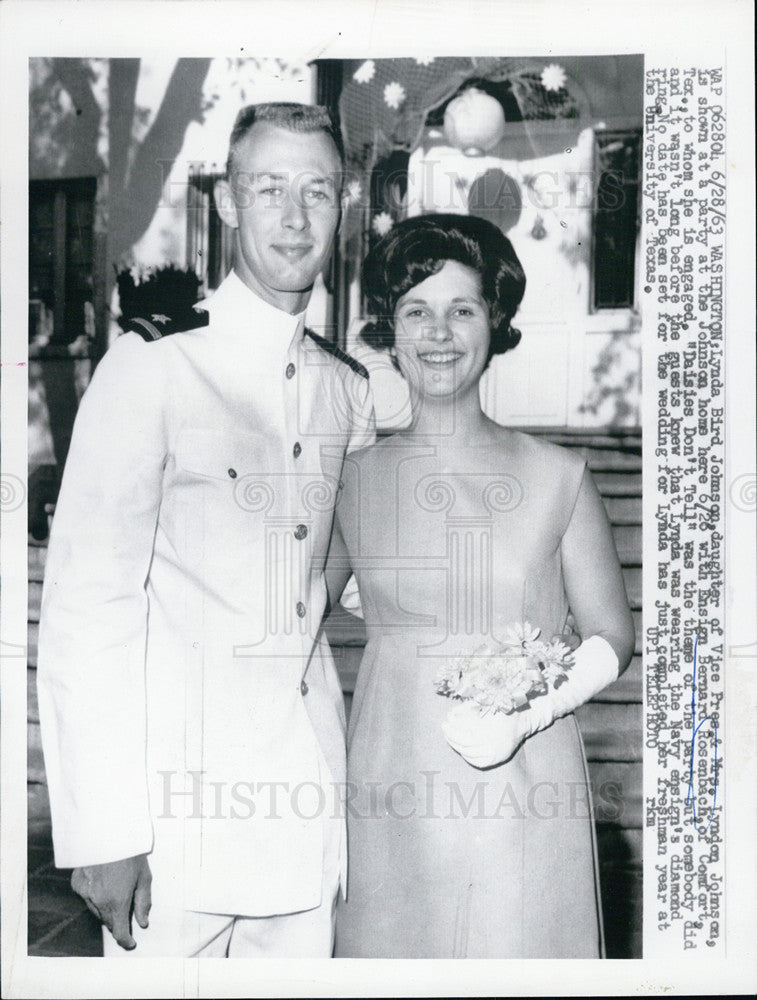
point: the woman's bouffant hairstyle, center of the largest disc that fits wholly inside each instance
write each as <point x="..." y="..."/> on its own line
<point x="419" y="247"/>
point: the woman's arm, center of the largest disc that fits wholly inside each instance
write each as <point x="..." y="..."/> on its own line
<point x="593" y="577"/>
<point x="337" y="570"/>
<point x="597" y="597"/>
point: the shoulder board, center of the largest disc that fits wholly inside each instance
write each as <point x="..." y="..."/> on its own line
<point x="158" y="325"/>
<point x="338" y="353"/>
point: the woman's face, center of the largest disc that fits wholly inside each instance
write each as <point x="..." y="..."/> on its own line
<point x="441" y="332"/>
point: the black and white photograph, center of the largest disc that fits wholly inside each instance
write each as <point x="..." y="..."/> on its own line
<point x="374" y="510"/>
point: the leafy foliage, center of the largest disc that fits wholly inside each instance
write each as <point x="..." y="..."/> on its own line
<point x="166" y="290"/>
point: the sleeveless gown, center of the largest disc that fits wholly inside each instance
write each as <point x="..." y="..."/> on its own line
<point x="446" y="860"/>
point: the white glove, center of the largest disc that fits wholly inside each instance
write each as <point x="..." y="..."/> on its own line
<point x="486" y="740"/>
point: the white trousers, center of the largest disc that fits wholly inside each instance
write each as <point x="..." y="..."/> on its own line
<point x="174" y="932"/>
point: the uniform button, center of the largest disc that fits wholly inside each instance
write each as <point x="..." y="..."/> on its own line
<point x="297" y="450"/>
<point x="233" y="473"/>
<point x="303" y="688"/>
<point x="301" y="532"/>
<point x="290" y="370"/>
<point x="300" y="609"/>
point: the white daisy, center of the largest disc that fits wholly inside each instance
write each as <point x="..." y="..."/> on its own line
<point x="382" y="223"/>
<point x="425" y="60"/>
<point x="365" y="72"/>
<point x="394" y="94"/>
<point x="518" y="633"/>
<point x="553" y="77"/>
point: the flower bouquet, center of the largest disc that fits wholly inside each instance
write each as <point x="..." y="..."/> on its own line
<point x="503" y="677"/>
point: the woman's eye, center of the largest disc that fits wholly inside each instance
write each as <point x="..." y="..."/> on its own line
<point x="316" y="196"/>
<point x="273" y="191"/>
<point x="464" y="311"/>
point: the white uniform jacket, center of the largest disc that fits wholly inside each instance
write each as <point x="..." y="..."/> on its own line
<point x="188" y="703"/>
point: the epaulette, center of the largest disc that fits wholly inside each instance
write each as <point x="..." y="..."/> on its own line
<point x="338" y="353"/>
<point x="159" y="325"/>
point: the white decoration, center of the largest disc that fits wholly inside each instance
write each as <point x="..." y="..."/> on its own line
<point x="553" y="77"/>
<point x="474" y="122"/>
<point x="425" y="60"/>
<point x="365" y="72"/>
<point x="354" y="192"/>
<point x="382" y="223"/>
<point x="394" y="94"/>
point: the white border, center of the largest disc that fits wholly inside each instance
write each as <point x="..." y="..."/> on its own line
<point x="365" y="28"/>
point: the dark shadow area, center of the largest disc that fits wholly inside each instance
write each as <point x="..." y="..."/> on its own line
<point x="60" y="925"/>
<point x="621" y="888"/>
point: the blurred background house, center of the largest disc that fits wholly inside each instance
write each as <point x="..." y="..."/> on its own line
<point x="123" y="157"/>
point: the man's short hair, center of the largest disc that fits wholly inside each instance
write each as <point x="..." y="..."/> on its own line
<point x="287" y="115"/>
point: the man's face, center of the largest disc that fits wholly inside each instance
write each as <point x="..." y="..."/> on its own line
<point x="283" y="200"/>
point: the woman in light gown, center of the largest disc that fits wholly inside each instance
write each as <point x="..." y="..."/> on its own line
<point x="469" y="835"/>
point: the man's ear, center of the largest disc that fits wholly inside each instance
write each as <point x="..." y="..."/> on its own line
<point x="225" y="203"/>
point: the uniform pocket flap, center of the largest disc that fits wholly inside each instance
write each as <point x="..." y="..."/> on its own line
<point x="216" y="455"/>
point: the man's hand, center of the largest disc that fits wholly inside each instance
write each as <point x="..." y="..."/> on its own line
<point x="109" y="891"/>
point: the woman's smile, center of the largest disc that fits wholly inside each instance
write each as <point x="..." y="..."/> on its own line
<point x="437" y="358"/>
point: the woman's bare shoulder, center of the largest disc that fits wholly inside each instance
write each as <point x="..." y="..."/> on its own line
<point x="536" y="453"/>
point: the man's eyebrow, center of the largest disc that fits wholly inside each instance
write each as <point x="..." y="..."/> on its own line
<point x="318" y="179"/>
<point x="311" y="178"/>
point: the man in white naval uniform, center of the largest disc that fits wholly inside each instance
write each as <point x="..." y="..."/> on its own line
<point x="192" y="718"/>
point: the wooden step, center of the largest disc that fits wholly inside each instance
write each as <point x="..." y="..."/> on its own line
<point x="36" y="554"/>
<point x="604" y="460"/>
<point x="628" y="687"/>
<point x="617" y="791"/>
<point x="618" y="438"/>
<point x="38" y="809"/>
<point x="35" y="764"/>
<point x="618" y="484"/>
<point x="32" y="639"/>
<point x="35" y="600"/>
<point x="32" y="705"/>
<point x="632" y="577"/>
<point x="611" y="731"/>
<point x="639" y="643"/>
<point x="623" y="510"/>
<point x="628" y="543"/>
